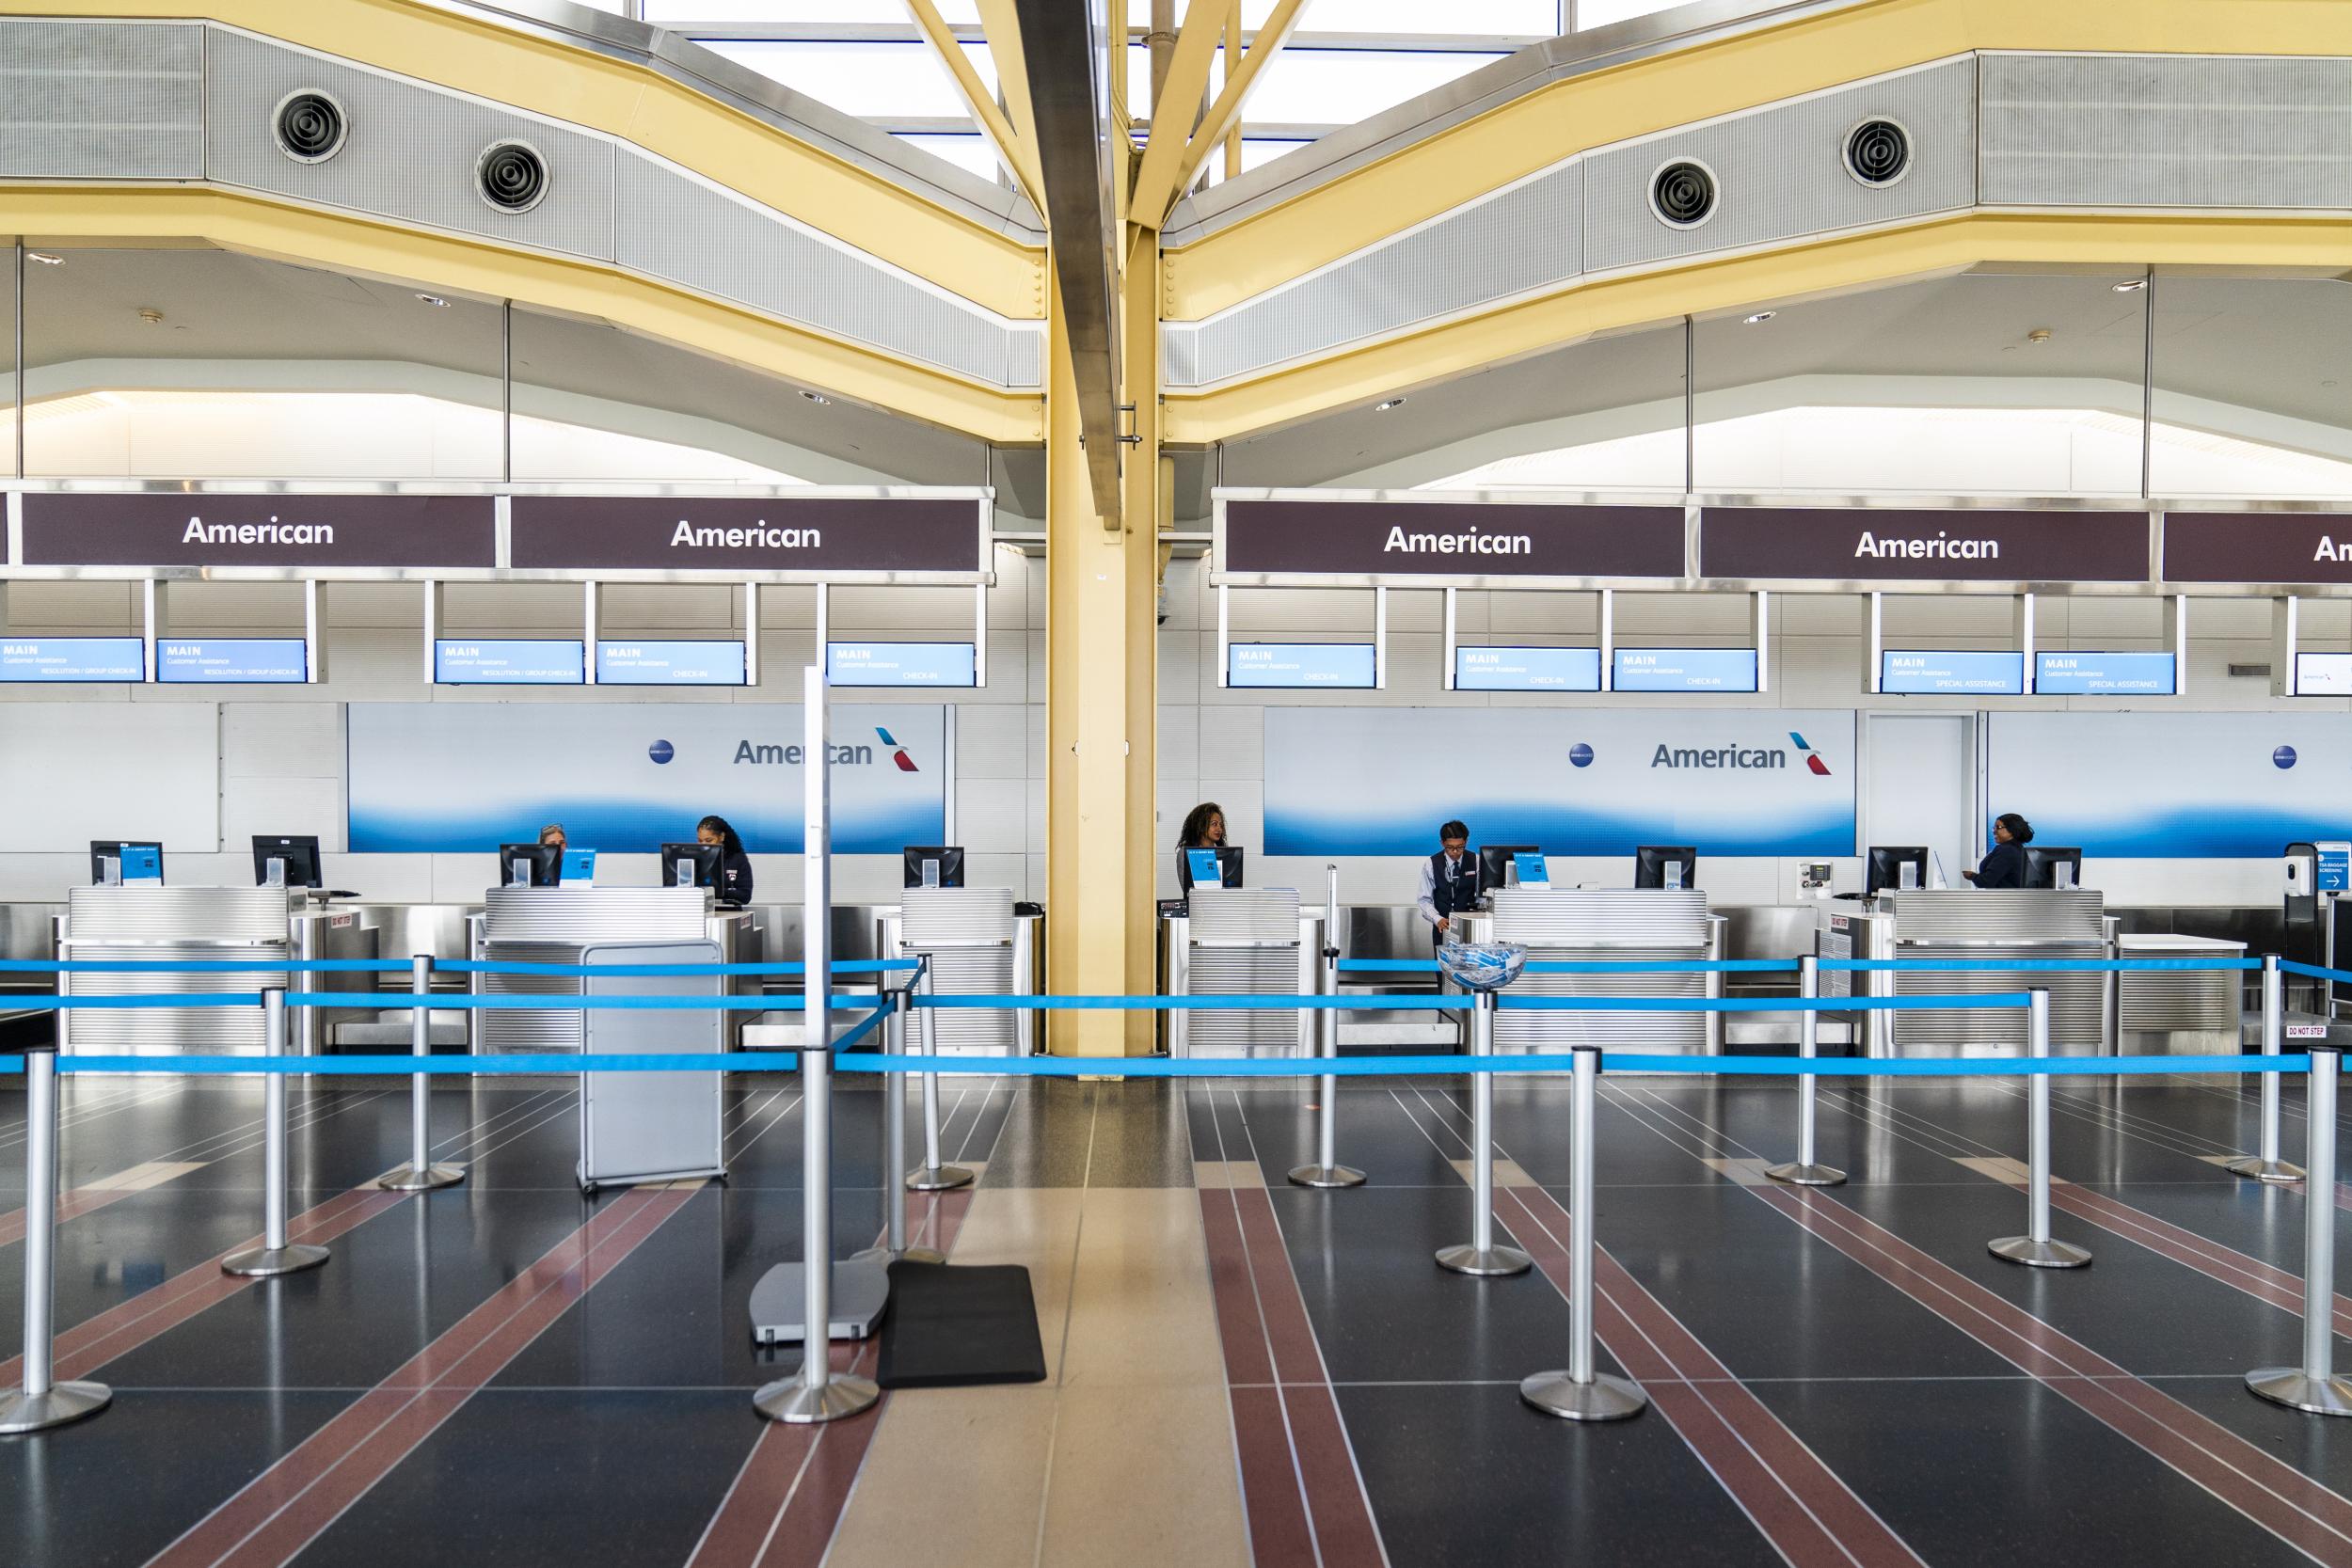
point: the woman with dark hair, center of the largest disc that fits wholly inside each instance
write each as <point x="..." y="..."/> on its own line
<point x="735" y="867"/>
<point x="2005" y="866"/>
<point x="1203" y="829"/>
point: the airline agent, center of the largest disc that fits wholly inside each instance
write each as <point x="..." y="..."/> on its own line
<point x="735" y="867"/>
<point x="1449" y="882"/>
<point x="2004" y="865"/>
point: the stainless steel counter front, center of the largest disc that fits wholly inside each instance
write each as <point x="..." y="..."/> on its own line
<point x="554" y="925"/>
<point x="1963" y="923"/>
<point x="1241" y="941"/>
<point x="2192" y="1011"/>
<point x="1607" y="925"/>
<point x="150" y="923"/>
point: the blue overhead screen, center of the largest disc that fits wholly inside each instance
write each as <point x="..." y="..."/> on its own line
<point x="69" y="659"/>
<point x="1294" y="665"/>
<point x="2079" y="674"/>
<point x="1685" y="670"/>
<point x="1952" y="673"/>
<point x="233" y="661"/>
<point x="1527" y="669"/>
<point x="901" y="664"/>
<point x="510" y="661"/>
<point x="642" y="663"/>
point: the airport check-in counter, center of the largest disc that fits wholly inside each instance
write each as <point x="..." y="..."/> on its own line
<point x="556" y="925"/>
<point x="149" y="923"/>
<point x="2196" y="1011"/>
<point x="1607" y="925"/>
<point x="1964" y="922"/>
<point x="1241" y="941"/>
<point x="977" y="946"/>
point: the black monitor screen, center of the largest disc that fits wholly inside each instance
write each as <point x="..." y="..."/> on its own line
<point x="706" y="859"/>
<point x="949" y="857"/>
<point x="547" y="862"/>
<point x="1229" y="859"/>
<point x="2041" y="865"/>
<point x="1651" y="859"/>
<point x="1494" y="864"/>
<point x="1886" y="863"/>
<point x="300" y="852"/>
<point x="129" y="855"/>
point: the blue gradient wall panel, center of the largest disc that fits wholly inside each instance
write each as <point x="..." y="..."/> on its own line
<point x="2173" y="785"/>
<point x="1575" y="780"/>
<point x="628" y="777"/>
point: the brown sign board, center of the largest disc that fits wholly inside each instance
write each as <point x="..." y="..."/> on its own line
<point x="2258" y="546"/>
<point x="817" y="535"/>
<point x="1437" y="540"/>
<point x="210" y="529"/>
<point x="1942" y="545"/>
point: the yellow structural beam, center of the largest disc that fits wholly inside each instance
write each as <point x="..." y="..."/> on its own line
<point x="1017" y="154"/>
<point x="543" y="76"/>
<point x="1173" y="108"/>
<point x="1240" y="80"/>
<point x="1430" y="176"/>
<point x="262" y="227"/>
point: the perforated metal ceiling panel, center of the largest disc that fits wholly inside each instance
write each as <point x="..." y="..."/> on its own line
<point x="2160" y="130"/>
<point x="1780" y="172"/>
<point x="102" y="100"/>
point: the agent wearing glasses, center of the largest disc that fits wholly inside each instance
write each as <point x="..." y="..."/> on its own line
<point x="1449" y="882"/>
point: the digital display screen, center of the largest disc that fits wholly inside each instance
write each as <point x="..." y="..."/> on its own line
<point x="1952" y="673"/>
<point x="510" y="661"/>
<point x="233" y="661"/>
<point x="73" y="658"/>
<point x="2323" y="674"/>
<point x="1527" y="669"/>
<point x="641" y="663"/>
<point x="1292" y="665"/>
<point x="1685" y="670"/>
<point x="2076" y="674"/>
<point x="901" y="664"/>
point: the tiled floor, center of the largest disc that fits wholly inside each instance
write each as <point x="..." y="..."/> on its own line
<point x="1239" y="1370"/>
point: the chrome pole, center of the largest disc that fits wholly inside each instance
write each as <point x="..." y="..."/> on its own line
<point x="1582" y="1393"/>
<point x="1326" y="1171"/>
<point x="2313" y="1386"/>
<point x="1806" y="1171"/>
<point x="2035" y="1249"/>
<point x="814" y="1394"/>
<point x="276" y="1255"/>
<point x="894" y="1087"/>
<point x="933" y="1177"/>
<point x="1482" y="1257"/>
<point x="420" y="1174"/>
<point x="2267" y="1166"/>
<point x="42" y="1403"/>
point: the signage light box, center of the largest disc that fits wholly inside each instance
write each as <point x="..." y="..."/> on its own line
<point x="1952" y="673"/>
<point x="233" y="661"/>
<point x="1351" y="666"/>
<point x="1527" y="669"/>
<point x="36" y="661"/>
<point x="2323" y="674"/>
<point x="509" y="661"/>
<point x="1685" y="670"/>
<point x="2083" y="674"/>
<point x="642" y="663"/>
<point x="917" y="664"/>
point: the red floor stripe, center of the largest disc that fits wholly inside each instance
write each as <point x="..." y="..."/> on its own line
<point x="1273" y="1499"/>
<point x="71" y="1205"/>
<point x="2252" y="1276"/>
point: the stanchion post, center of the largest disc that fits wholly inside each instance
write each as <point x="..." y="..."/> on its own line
<point x="2265" y="1165"/>
<point x="1804" y="1170"/>
<point x="933" y="1177"/>
<point x="43" y="1403"/>
<point x="2035" y="1249"/>
<point x="1482" y="1257"/>
<point x="420" y="1174"/>
<point x="894" y="1100"/>
<point x="815" y="1394"/>
<point x="1582" y="1393"/>
<point x="1326" y="1171"/>
<point x="2315" y="1386"/>
<point x="276" y="1255"/>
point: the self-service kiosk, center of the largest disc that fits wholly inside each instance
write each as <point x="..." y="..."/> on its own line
<point x="2319" y="877"/>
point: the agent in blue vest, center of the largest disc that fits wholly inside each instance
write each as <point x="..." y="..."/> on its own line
<point x="1449" y="880"/>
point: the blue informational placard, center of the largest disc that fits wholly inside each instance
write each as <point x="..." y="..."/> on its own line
<point x="642" y="663"/>
<point x="68" y="659"/>
<point x="142" y="863"/>
<point x="1949" y="673"/>
<point x="579" y="868"/>
<point x="1336" y="665"/>
<point x="2335" y="866"/>
<point x="900" y="664"/>
<point x="510" y="661"/>
<point x="1202" y="865"/>
<point x="2078" y="673"/>
<point x="1531" y="871"/>
<point x="1527" y="669"/>
<point x="1685" y="670"/>
<point x="233" y="661"/>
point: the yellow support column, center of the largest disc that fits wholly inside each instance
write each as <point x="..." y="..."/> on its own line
<point x="1101" y="691"/>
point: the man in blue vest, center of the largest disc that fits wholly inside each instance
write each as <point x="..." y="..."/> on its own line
<point x="1449" y="880"/>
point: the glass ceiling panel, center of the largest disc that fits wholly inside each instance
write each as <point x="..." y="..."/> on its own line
<point x="892" y="82"/>
<point x="1340" y="86"/>
<point x="1519" y="18"/>
<point x="797" y="13"/>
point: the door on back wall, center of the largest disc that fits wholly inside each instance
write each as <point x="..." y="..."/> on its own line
<point x="1920" y="785"/>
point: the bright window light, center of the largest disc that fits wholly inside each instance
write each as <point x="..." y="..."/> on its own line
<point x="1340" y="86"/>
<point x="1600" y="14"/>
<point x="1459" y="18"/>
<point x="873" y="80"/>
<point x="972" y="152"/>
<point x="688" y="15"/>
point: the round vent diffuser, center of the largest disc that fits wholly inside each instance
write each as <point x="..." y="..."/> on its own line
<point x="1878" y="152"/>
<point x="512" y="176"/>
<point x="309" y="126"/>
<point x="1682" y="194"/>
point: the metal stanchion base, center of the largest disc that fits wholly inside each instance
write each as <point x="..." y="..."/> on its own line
<point x="1807" y="1176"/>
<point x="1494" y="1261"/>
<point x="65" y="1401"/>
<point x="2264" y="1170"/>
<point x="937" y="1178"/>
<point x="1328" y="1176"/>
<point x="262" y="1263"/>
<point x="2293" y="1387"/>
<point x="409" y="1178"/>
<point x="861" y="1289"/>
<point x="2037" y="1255"/>
<point x="790" y="1400"/>
<point x="1604" y="1399"/>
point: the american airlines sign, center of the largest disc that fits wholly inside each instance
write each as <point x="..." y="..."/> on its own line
<point x="1886" y="544"/>
<point x="2292" y="548"/>
<point x="211" y="528"/>
<point x="818" y="535"/>
<point x="1435" y="541"/>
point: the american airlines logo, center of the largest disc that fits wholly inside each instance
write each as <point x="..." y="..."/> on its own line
<point x="1885" y="546"/>
<point x="1737" y="757"/>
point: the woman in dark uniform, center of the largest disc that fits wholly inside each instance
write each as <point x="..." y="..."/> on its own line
<point x="735" y="867"/>
<point x="2005" y="866"/>
<point x="1203" y="829"/>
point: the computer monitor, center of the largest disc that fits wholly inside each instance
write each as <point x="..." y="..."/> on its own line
<point x="135" y="860"/>
<point x="1887" y="860"/>
<point x="1229" y="859"/>
<point x="933" y="864"/>
<point x="2042" y="865"/>
<point x="703" y="859"/>
<point x="1494" y="864"/>
<point x="298" y="856"/>
<point x="1651" y="859"/>
<point x="543" y="868"/>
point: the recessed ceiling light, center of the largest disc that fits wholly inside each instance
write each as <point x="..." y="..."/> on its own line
<point x="1760" y="316"/>
<point x="151" y="316"/>
<point x="1384" y="407"/>
<point x="2131" y="286"/>
<point x="819" y="399"/>
<point x="2040" y="335"/>
<point x="44" y="258"/>
<point x="434" y="299"/>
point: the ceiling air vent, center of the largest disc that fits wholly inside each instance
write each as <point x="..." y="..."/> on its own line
<point x="1878" y="152"/>
<point x="309" y="126"/>
<point x="2249" y="672"/>
<point x="1682" y="194"/>
<point x="512" y="176"/>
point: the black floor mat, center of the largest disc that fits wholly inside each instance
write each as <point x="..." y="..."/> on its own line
<point x="952" y="1327"/>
